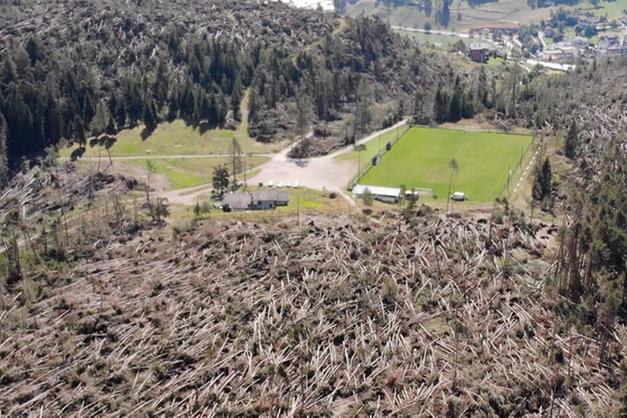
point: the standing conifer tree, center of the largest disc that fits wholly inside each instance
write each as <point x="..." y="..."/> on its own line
<point x="4" y="160"/>
<point x="570" y="146"/>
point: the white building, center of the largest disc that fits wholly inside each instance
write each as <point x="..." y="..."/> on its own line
<point x="382" y="194"/>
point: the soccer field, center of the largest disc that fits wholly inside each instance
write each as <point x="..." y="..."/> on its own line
<point x="421" y="159"/>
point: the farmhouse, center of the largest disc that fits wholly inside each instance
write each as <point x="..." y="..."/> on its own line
<point x="259" y="200"/>
<point x="478" y="53"/>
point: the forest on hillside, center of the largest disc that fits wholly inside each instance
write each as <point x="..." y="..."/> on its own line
<point x="73" y="71"/>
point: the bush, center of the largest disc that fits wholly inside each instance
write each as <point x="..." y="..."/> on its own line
<point x="367" y="198"/>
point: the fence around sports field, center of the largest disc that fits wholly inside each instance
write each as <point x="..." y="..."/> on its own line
<point x="363" y="170"/>
<point x="517" y="171"/>
<point x="514" y="173"/>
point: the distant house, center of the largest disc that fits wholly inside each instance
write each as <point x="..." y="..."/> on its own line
<point x="503" y="28"/>
<point x="478" y="53"/>
<point x="259" y="200"/>
<point x="563" y="52"/>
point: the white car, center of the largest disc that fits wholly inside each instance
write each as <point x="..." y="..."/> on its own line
<point x="458" y="196"/>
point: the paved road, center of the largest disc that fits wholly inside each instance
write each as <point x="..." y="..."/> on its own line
<point x="190" y="195"/>
<point x="318" y="173"/>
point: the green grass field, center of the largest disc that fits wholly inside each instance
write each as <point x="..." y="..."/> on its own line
<point x="463" y="16"/>
<point x="176" y="138"/>
<point x="182" y="173"/>
<point x="171" y="141"/>
<point x="613" y="9"/>
<point x="440" y="40"/>
<point x="421" y="159"/>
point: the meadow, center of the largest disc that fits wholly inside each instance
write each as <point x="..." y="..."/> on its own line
<point x="421" y="159"/>
<point x="184" y="155"/>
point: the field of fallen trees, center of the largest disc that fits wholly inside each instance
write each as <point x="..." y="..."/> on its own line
<point x="352" y="316"/>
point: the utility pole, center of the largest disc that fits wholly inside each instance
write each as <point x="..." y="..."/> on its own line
<point x="358" y="163"/>
<point x="245" y="169"/>
<point x="298" y="208"/>
<point x="234" y="168"/>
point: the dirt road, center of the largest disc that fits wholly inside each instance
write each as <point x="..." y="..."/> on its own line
<point x="105" y="158"/>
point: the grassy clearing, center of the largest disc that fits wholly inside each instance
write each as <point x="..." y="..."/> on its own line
<point x="436" y="39"/>
<point x="421" y="159"/>
<point x="496" y="62"/>
<point x="182" y="173"/>
<point x="177" y="138"/>
<point x="302" y="200"/>
<point x="442" y="41"/>
<point x="463" y="17"/>
<point x="613" y="9"/>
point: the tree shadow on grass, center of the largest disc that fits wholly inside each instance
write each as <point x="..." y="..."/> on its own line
<point x="147" y="132"/>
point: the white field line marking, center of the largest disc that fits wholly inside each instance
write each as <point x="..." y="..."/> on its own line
<point x="526" y="170"/>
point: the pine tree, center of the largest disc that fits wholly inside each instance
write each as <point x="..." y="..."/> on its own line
<point x="9" y="72"/>
<point x="441" y="106"/>
<point x="421" y="116"/>
<point x="363" y="111"/>
<point x="220" y="179"/>
<point x="445" y="15"/>
<point x="570" y="145"/>
<point x="4" y="159"/>
<point x="149" y="115"/>
<point x="99" y="122"/>
<point x="542" y="182"/>
<point x="236" y="99"/>
<point x="456" y="107"/>
<point x="547" y="178"/>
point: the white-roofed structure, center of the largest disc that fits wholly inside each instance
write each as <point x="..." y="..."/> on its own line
<point x="384" y="194"/>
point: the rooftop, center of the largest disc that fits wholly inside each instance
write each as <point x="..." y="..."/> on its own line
<point x="377" y="190"/>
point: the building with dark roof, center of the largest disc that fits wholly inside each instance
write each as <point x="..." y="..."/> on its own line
<point x="478" y="53"/>
<point x="258" y="200"/>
